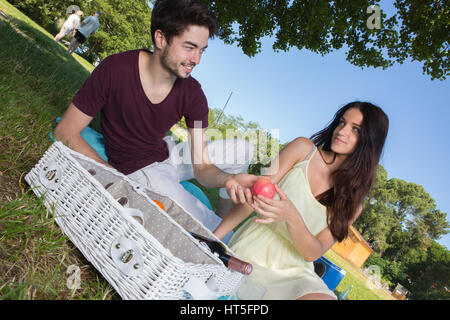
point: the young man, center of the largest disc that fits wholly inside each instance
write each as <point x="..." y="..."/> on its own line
<point x="89" y="26"/>
<point x="141" y="95"/>
<point x="69" y="25"/>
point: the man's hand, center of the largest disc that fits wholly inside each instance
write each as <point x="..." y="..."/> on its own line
<point x="238" y="187"/>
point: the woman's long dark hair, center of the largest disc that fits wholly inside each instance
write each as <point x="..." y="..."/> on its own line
<point x="353" y="179"/>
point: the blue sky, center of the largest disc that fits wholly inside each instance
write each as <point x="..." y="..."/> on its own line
<point x="298" y="92"/>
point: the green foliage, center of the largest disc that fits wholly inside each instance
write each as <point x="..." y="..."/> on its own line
<point x="430" y="277"/>
<point x="376" y="260"/>
<point x="418" y="30"/>
<point x="424" y="34"/>
<point x="424" y="273"/>
<point x="401" y="222"/>
<point x="124" y="25"/>
<point x="392" y="272"/>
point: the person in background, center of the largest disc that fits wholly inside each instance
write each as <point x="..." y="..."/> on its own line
<point x="321" y="184"/>
<point x="69" y="25"/>
<point x="87" y="27"/>
<point x="141" y="94"/>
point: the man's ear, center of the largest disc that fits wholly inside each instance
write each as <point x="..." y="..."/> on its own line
<point x="160" y="39"/>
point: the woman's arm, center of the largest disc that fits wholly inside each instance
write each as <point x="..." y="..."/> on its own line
<point x="292" y="153"/>
<point x="235" y="216"/>
<point x="309" y="246"/>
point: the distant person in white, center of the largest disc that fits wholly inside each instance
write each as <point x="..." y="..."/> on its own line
<point x="69" y="25"/>
<point x="89" y="26"/>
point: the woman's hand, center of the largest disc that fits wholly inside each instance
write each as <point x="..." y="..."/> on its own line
<point x="274" y="210"/>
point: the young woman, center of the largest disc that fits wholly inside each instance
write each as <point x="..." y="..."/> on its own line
<point x="321" y="184"/>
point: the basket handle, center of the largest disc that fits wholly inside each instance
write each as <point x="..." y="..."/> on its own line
<point x="135" y="213"/>
<point x="50" y="175"/>
<point x="126" y="256"/>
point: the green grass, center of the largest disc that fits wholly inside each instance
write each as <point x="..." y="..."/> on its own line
<point x="37" y="82"/>
<point x="35" y="255"/>
<point x="353" y="276"/>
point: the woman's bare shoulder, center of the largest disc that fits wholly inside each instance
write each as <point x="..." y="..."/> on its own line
<point x="299" y="148"/>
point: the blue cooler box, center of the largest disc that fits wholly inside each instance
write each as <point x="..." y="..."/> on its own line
<point x="333" y="274"/>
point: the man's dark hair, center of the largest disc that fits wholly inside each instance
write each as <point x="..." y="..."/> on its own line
<point x="173" y="17"/>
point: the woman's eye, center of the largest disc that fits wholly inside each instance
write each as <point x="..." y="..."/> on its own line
<point x="356" y="129"/>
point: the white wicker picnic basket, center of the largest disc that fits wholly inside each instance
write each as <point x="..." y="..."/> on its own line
<point x="141" y="250"/>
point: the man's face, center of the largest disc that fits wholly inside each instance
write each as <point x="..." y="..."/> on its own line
<point x="185" y="51"/>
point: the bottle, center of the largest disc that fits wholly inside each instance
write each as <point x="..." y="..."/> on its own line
<point x="230" y="262"/>
<point x="343" y="295"/>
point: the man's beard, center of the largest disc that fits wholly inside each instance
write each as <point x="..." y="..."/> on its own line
<point x="170" y="65"/>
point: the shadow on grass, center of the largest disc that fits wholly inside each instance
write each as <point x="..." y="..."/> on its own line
<point x="41" y="60"/>
<point x="37" y="83"/>
<point x="44" y="67"/>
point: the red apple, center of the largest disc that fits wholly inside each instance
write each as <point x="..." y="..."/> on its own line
<point x="263" y="187"/>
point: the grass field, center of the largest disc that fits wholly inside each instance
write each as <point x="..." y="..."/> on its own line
<point x="353" y="276"/>
<point x="37" y="82"/>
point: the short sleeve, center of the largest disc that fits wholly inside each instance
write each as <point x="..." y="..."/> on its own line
<point x="92" y="96"/>
<point x="197" y="109"/>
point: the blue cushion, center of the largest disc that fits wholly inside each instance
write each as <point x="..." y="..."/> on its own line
<point x="96" y="141"/>
<point x="196" y="192"/>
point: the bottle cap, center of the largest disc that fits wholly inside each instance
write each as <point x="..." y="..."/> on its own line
<point x="239" y="265"/>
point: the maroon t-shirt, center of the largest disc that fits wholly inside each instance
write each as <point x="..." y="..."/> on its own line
<point x="133" y="127"/>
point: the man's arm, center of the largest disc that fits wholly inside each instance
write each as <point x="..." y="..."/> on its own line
<point x="69" y="130"/>
<point x="204" y="170"/>
<point x="210" y="176"/>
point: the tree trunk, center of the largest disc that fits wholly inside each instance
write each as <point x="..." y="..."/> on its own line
<point x="402" y="249"/>
<point x="388" y="238"/>
<point x="364" y="229"/>
<point x="92" y="49"/>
